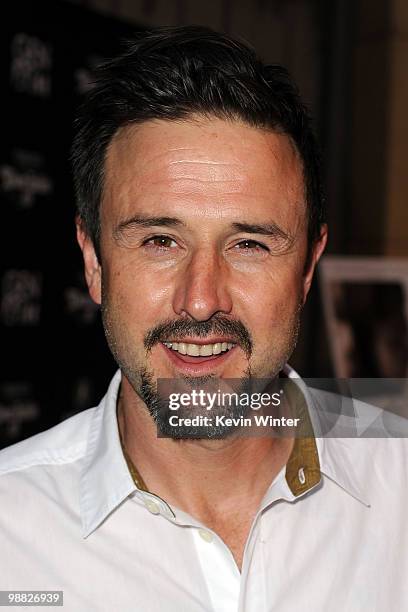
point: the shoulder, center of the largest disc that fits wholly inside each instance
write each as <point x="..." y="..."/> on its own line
<point x="362" y="447"/>
<point x="342" y="416"/>
<point x="64" y="443"/>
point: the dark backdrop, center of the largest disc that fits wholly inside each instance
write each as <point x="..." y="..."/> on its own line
<point x="54" y="358"/>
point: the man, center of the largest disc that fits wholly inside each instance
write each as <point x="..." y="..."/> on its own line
<point x="200" y="221"/>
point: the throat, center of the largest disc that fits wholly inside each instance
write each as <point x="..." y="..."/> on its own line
<point x="234" y="532"/>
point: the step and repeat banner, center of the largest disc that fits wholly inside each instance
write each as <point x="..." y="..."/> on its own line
<point x="55" y="361"/>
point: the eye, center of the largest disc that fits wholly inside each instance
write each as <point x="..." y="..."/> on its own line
<point x="159" y="242"/>
<point x="251" y="245"/>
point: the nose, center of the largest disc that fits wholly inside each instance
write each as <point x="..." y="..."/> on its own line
<point x="202" y="288"/>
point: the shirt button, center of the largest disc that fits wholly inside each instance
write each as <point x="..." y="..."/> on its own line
<point x="152" y="506"/>
<point x="301" y="476"/>
<point x="206" y="535"/>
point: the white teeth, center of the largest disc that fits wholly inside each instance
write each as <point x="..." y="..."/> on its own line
<point x="193" y="350"/>
<point x="217" y="348"/>
<point x="206" y="350"/>
<point x="182" y="348"/>
<point x="199" y="350"/>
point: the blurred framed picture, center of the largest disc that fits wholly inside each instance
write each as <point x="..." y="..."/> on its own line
<point x="365" y="302"/>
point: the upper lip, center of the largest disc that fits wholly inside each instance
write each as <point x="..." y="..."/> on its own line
<point x="202" y="341"/>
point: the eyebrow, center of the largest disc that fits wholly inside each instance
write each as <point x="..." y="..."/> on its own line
<point x="146" y="221"/>
<point x="266" y="229"/>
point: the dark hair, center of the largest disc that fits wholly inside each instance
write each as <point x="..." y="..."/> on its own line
<point x="173" y="73"/>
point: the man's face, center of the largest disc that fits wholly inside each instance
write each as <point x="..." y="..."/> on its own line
<point x="203" y="246"/>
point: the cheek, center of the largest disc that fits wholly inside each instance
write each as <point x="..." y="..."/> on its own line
<point x="138" y="300"/>
<point x="270" y="298"/>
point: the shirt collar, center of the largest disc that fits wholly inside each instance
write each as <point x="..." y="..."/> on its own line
<point x="314" y="455"/>
<point x="106" y="480"/>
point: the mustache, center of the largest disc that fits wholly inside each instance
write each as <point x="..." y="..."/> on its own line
<point x="232" y="328"/>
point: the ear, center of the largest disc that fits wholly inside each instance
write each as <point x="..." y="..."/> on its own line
<point x="317" y="251"/>
<point x="91" y="263"/>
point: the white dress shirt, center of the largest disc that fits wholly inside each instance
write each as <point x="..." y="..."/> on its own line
<point x="72" y="519"/>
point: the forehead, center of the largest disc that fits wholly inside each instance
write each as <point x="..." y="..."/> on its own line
<point x="202" y="166"/>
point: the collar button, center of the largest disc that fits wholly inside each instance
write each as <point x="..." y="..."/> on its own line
<point x="301" y="476"/>
<point x="205" y="535"/>
<point x="152" y="506"/>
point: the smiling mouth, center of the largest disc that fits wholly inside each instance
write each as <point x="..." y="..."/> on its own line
<point x="196" y="359"/>
<point x="199" y="350"/>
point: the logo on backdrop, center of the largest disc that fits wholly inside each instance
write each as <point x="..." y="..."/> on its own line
<point x="30" y="67"/>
